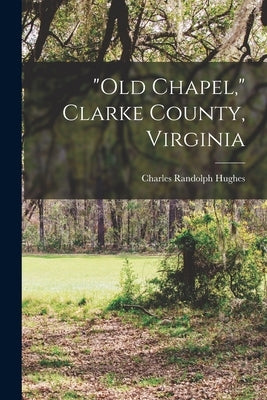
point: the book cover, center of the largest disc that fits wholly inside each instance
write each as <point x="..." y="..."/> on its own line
<point x="144" y="199"/>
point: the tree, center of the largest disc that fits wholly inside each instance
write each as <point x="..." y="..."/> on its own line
<point x="175" y="216"/>
<point x="100" y="224"/>
<point x="187" y="243"/>
<point x="208" y="263"/>
<point x="153" y="30"/>
<point x="116" y="221"/>
<point x="172" y="217"/>
<point x="148" y="30"/>
<point x="118" y="11"/>
<point x="40" y="204"/>
<point x="45" y="11"/>
<point x="264" y="13"/>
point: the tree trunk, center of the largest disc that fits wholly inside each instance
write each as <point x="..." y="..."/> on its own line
<point x="46" y="11"/>
<point x="74" y="213"/>
<point x="179" y="214"/>
<point x="264" y="13"/>
<point x="30" y="207"/>
<point x="172" y="217"/>
<point x="116" y="221"/>
<point x="233" y="217"/>
<point x="189" y="271"/>
<point x="187" y="243"/>
<point x="162" y="212"/>
<point x="118" y="11"/>
<point x="143" y="230"/>
<point x="154" y="221"/>
<point x="41" y="222"/>
<point x="100" y="224"/>
<point x="86" y="209"/>
<point x="129" y="215"/>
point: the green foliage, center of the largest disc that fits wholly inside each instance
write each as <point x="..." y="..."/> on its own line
<point x="72" y="287"/>
<point x="198" y="376"/>
<point x="151" y="381"/>
<point x="54" y="363"/>
<point x="129" y="288"/>
<point x="261" y="244"/>
<point x="147" y="320"/>
<point x="82" y="302"/>
<point x="110" y="379"/>
<point x="244" y="273"/>
<point x="184" y="240"/>
<point x="71" y="395"/>
<point x="178" y="327"/>
<point x="198" y="350"/>
<point x="30" y="237"/>
<point x="53" y="244"/>
<point x="222" y="265"/>
<point x="166" y="31"/>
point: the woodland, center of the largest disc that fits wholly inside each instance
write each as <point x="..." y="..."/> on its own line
<point x="195" y="328"/>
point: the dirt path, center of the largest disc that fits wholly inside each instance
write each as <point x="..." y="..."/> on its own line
<point x="110" y="359"/>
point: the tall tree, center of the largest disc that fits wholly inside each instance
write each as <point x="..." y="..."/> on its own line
<point x="86" y="208"/>
<point x="100" y="224"/>
<point x="172" y="217"/>
<point x="264" y="13"/>
<point x="153" y="30"/>
<point x="45" y="11"/>
<point x="40" y="203"/>
<point x="118" y="12"/>
<point x="116" y="221"/>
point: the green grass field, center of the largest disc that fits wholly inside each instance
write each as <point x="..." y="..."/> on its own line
<point x="73" y="348"/>
<point x="69" y="278"/>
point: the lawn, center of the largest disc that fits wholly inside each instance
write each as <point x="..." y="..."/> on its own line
<point x="73" y="277"/>
<point x="73" y="349"/>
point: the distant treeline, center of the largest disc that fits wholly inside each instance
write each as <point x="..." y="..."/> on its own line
<point x="123" y="225"/>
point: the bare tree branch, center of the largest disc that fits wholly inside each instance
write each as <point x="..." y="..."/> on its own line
<point x="137" y="307"/>
<point x="67" y="41"/>
<point x="46" y="12"/>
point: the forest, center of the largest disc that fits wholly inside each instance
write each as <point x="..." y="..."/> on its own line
<point x="85" y="226"/>
<point x="142" y="298"/>
<point x="87" y="30"/>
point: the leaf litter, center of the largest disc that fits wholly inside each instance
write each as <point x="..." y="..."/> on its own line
<point x="109" y="358"/>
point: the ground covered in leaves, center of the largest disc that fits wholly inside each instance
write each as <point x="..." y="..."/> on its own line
<point x="131" y="356"/>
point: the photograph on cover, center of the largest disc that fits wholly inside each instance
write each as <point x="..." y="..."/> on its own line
<point x="144" y="205"/>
